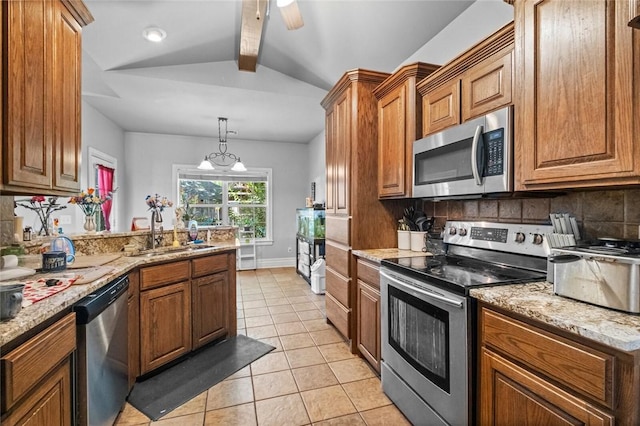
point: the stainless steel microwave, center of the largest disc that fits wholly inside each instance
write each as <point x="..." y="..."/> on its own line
<point x="471" y="159"/>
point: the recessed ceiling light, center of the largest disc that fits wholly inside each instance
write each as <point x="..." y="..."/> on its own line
<point x="154" y="34"/>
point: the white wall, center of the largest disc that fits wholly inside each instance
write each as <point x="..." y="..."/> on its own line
<point x="103" y="134"/>
<point x="478" y="21"/>
<point x="316" y="158"/>
<point x="155" y="154"/>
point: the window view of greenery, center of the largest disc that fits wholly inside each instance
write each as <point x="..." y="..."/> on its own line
<point x="219" y="202"/>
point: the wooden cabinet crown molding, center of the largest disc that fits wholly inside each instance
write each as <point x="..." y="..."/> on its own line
<point x="418" y="70"/>
<point x="356" y="75"/>
<point x="79" y="11"/>
<point x="498" y="41"/>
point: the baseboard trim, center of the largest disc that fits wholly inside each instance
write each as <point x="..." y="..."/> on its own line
<point x="282" y="262"/>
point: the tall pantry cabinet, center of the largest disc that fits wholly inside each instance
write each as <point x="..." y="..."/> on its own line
<point x="355" y="218"/>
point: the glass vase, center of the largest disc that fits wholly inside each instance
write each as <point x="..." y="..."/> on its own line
<point x="89" y="224"/>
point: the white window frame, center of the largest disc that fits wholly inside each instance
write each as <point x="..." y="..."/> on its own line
<point x="255" y="171"/>
<point x="96" y="158"/>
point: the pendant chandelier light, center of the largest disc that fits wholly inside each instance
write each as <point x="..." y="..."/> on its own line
<point x="222" y="157"/>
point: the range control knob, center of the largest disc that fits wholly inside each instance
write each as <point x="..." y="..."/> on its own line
<point x="520" y="237"/>
<point x="462" y="232"/>
<point x="453" y="230"/>
<point x="537" y="239"/>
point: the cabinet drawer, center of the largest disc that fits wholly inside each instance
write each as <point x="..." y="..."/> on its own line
<point x="337" y="258"/>
<point x="369" y="273"/>
<point x="28" y="364"/>
<point x="155" y="276"/>
<point x="578" y="367"/>
<point x="338" y="287"/>
<point x="201" y="266"/>
<point x="337" y="229"/>
<point x="339" y="315"/>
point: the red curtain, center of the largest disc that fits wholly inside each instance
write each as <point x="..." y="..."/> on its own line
<point x="105" y="185"/>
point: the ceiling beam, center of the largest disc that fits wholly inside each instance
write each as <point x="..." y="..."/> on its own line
<point x="253" y="18"/>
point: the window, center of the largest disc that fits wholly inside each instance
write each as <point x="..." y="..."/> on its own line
<point x="98" y="160"/>
<point x="226" y="198"/>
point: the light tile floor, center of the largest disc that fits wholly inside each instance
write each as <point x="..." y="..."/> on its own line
<point x="310" y="378"/>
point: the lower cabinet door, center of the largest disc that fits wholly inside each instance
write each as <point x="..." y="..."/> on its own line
<point x="165" y="325"/>
<point x="369" y="324"/>
<point x="512" y="395"/>
<point x="210" y="302"/>
<point x="49" y="404"/>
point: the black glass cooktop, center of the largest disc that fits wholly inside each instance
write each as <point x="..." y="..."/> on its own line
<point x="459" y="273"/>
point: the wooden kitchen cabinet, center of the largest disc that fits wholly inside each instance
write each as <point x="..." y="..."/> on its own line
<point x="368" y="324"/>
<point x="578" y="94"/>
<point x="352" y="189"/>
<point x="41" y="140"/>
<point x="476" y="82"/>
<point x="36" y="377"/>
<point x="399" y="125"/>
<point x="165" y="324"/>
<point x="535" y="374"/>
<point x="184" y="305"/>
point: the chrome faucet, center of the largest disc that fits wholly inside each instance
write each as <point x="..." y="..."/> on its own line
<point x="156" y="217"/>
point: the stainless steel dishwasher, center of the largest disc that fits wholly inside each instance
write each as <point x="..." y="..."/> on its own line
<point x="102" y="365"/>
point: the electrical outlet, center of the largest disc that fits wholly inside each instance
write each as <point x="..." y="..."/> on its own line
<point x="65" y="219"/>
<point x="289" y="249"/>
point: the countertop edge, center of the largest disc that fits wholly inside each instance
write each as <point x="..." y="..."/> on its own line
<point x="537" y="301"/>
<point x="32" y="316"/>
<point x="377" y="255"/>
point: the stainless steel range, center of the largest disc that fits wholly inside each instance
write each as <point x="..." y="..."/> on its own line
<point x="428" y="318"/>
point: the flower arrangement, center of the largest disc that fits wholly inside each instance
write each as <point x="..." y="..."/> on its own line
<point x="157" y="202"/>
<point x="43" y="207"/>
<point x="89" y="202"/>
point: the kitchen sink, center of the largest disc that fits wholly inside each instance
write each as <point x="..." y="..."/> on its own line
<point x="171" y="250"/>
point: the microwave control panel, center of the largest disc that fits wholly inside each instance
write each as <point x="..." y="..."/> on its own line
<point x="494" y="143"/>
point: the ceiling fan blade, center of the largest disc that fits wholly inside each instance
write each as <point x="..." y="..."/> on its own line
<point x="291" y="15"/>
<point x="253" y="17"/>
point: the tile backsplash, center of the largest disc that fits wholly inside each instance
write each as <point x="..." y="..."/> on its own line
<point x="609" y="213"/>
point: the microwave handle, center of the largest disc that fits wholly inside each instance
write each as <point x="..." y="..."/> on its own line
<point x="474" y="156"/>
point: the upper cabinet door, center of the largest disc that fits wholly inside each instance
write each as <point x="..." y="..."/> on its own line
<point x="330" y="137"/>
<point x="576" y="104"/>
<point x="27" y="135"/>
<point x="342" y="152"/>
<point x="67" y="83"/>
<point x="391" y="144"/>
<point x="487" y="86"/>
<point x="441" y="108"/>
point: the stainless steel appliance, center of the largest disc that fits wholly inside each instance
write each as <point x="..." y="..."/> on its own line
<point x="428" y="318"/>
<point x="102" y="366"/>
<point x="473" y="158"/>
<point x="606" y="273"/>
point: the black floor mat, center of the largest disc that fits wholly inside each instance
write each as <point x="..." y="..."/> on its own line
<point x="168" y="390"/>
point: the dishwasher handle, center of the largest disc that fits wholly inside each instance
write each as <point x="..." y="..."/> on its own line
<point x="95" y="303"/>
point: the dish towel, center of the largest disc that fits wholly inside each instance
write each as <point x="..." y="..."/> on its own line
<point x="35" y="291"/>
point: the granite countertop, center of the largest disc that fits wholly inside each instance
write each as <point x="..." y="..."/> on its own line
<point x="33" y="315"/>
<point x="537" y="301"/>
<point x="376" y="255"/>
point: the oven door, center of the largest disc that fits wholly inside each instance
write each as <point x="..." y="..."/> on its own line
<point x="425" y="343"/>
<point x="469" y="159"/>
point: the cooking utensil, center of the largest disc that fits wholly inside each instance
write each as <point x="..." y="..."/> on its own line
<point x="10" y="300"/>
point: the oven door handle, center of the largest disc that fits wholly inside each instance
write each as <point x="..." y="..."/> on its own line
<point x="474" y="156"/>
<point x="430" y="294"/>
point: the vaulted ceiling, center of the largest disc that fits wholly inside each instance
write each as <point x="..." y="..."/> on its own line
<point x="181" y="85"/>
